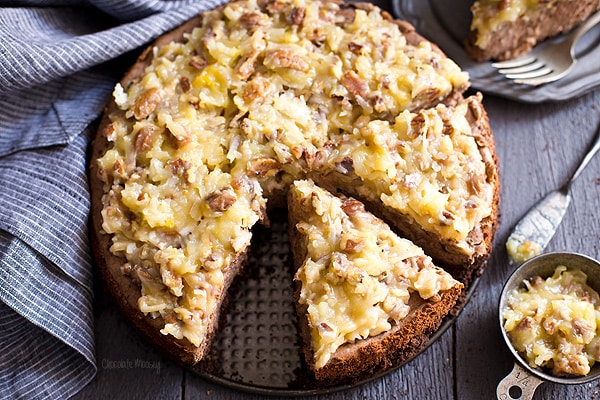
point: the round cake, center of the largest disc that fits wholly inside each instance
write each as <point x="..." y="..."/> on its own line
<point x="216" y="121"/>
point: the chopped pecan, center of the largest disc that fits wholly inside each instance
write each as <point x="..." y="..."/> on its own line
<point x="355" y="85"/>
<point x="351" y="206"/>
<point x="351" y="245"/>
<point x="525" y="323"/>
<point x="417" y="124"/>
<point x="448" y="128"/>
<point x="297" y="15"/>
<point x="198" y="62"/>
<point x="178" y="166"/>
<point x="118" y="168"/>
<point x="428" y="95"/>
<point x="146" y="103"/>
<point x="251" y="21"/>
<point x="243" y="184"/>
<point x="324" y="327"/>
<point x="264" y="166"/>
<point x="145" y="137"/>
<point x="476" y="182"/>
<point x="470" y="205"/>
<point x="246" y="126"/>
<point x="323" y="154"/>
<point x="109" y="131"/>
<point x="247" y="64"/>
<point x="255" y="89"/>
<point x="446" y="218"/>
<point x="342" y="267"/>
<point x="346" y="166"/>
<point x="273" y="6"/>
<point x="214" y="260"/>
<point x="285" y="58"/>
<point x="385" y="81"/>
<point x="582" y="329"/>
<point x="420" y="262"/>
<point x="221" y="200"/>
<point x="180" y="134"/>
<point x="172" y="280"/>
<point x="379" y="104"/>
<point x="355" y="47"/>
<point x="185" y="84"/>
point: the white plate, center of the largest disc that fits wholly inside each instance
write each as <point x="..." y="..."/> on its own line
<point x="446" y="23"/>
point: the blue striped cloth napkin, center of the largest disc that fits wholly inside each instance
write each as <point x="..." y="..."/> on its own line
<point x="58" y="66"/>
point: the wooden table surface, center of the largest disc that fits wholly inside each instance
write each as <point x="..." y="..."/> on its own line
<point x="538" y="146"/>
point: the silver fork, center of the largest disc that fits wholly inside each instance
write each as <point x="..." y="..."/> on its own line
<point x="548" y="62"/>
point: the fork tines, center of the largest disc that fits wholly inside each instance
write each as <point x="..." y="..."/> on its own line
<point x="526" y="67"/>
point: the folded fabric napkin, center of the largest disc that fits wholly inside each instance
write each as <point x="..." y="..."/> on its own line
<point x="59" y="62"/>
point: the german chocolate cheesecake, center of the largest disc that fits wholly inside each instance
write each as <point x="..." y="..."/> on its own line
<point x="219" y="118"/>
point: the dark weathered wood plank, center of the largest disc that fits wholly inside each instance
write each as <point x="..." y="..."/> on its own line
<point x="539" y="146"/>
<point x="128" y="367"/>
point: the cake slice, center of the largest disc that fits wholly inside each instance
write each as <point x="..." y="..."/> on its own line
<point x="432" y="175"/>
<point x="366" y="298"/>
<point x="504" y="29"/>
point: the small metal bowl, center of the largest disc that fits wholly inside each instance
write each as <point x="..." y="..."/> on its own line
<point x="522" y="381"/>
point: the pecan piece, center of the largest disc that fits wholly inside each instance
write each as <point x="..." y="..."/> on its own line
<point x="172" y="280"/>
<point x="146" y="103"/>
<point x="355" y="47"/>
<point x="185" y="84"/>
<point x="417" y="124"/>
<point x="351" y="206"/>
<point x="178" y="166"/>
<point x="179" y="133"/>
<point x="324" y="327"/>
<point x="251" y="21"/>
<point x="285" y="58"/>
<point x="109" y="132"/>
<point x="247" y="64"/>
<point x="264" y="166"/>
<point x="145" y="137"/>
<point x="297" y="15"/>
<point x="351" y="244"/>
<point x="346" y="166"/>
<point x="342" y="267"/>
<point x="255" y="89"/>
<point x="198" y="62"/>
<point x="221" y="200"/>
<point x="379" y="103"/>
<point x="355" y="85"/>
<point x="476" y="182"/>
<point x="446" y="218"/>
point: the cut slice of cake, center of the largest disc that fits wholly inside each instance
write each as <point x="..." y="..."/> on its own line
<point x="504" y="29"/>
<point x="365" y="297"/>
<point x="431" y="174"/>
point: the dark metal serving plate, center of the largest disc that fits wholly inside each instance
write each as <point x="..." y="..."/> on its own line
<point x="446" y="23"/>
<point x="257" y="346"/>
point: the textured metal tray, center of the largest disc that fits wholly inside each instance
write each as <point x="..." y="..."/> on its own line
<point x="257" y="347"/>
